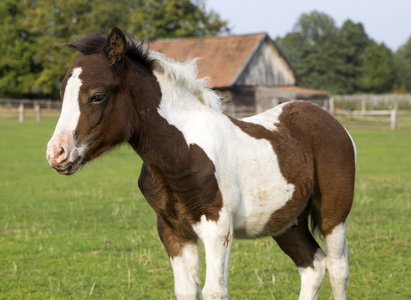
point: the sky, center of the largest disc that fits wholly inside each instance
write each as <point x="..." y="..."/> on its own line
<point x="387" y="22"/>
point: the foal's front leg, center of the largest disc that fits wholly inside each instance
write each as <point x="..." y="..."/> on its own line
<point x="185" y="261"/>
<point x="186" y="273"/>
<point x="217" y="238"/>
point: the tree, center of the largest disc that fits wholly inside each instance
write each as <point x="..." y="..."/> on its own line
<point x="379" y="72"/>
<point x="154" y="19"/>
<point x="403" y="62"/>
<point x="315" y="51"/>
<point x="16" y="51"/>
<point x="354" y="40"/>
<point x="32" y="66"/>
<point x="343" y="60"/>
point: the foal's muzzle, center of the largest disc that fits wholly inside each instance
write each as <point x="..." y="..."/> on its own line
<point x="63" y="155"/>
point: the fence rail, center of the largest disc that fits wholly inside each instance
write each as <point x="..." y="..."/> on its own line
<point x="354" y="111"/>
<point x="10" y="103"/>
<point x="372" y="100"/>
<point x="370" y="111"/>
<point x="12" y="106"/>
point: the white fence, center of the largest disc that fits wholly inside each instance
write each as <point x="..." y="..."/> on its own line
<point x="372" y="100"/>
<point x="370" y="116"/>
<point x="374" y="111"/>
<point x="12" y="105"/>
<point x="365" y="111"/>
<point x="9" y="103"/>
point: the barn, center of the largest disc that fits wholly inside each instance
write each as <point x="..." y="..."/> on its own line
<point x="248" y="70"/>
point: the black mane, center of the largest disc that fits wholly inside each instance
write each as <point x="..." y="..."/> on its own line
<point x="94" y="43"/>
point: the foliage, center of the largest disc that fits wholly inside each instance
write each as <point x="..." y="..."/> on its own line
<point x="354" y="40"/>
<point x="92" y="235"/>
<point x="32" y="66"/>
<point x="378" y="69"/>
<point x="342" y="60"/>
<point x="403" y="61"/>
<point x="170" y="19"/>
<point x="318" y="53"/>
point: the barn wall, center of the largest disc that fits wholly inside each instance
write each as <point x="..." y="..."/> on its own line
<point x="266" y="67"/>
<point x="227" y="106"/>
<point x="267" y="98"/>
<point x="246" y="101"/>
<point x="239" y="102"/>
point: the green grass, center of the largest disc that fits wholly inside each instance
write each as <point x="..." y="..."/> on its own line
<point x="92" y="235"/>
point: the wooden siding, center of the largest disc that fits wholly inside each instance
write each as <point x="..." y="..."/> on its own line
<point x="266" y="67"/>
<point x="265" y="99"/>
<point x="245" y="101"/>
<point x="238" y="102"/>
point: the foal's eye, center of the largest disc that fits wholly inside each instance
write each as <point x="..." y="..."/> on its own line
<point x="97" y="99"/>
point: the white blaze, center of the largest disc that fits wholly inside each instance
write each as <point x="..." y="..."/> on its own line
<point x="67" y="123"/>
<point x="70" y="112"/>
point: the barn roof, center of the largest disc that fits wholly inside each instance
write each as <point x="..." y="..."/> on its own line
<point x="222" y="58"/>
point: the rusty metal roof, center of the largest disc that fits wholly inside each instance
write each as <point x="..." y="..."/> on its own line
<point x="222" y="58"/>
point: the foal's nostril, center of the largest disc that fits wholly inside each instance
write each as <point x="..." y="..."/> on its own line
<point x="60" y="152"/>
<point x="59" y="155"/>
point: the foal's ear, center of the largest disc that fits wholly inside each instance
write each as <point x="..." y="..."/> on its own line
<point x="115" y="47"/>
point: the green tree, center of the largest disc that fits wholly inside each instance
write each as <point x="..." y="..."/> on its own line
<point x="379" y="72"/>
<point x="342" y="60"/>
<point x="403" y="62"/>
<point x="154" y="19"/>
<point x="16" y="51"/>
<point x="353" y="40"/>
<point x="315" y="51"/>
<point x="32" y="66"/>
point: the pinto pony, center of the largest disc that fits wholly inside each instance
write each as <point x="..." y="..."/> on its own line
<point x="207" y="175"/>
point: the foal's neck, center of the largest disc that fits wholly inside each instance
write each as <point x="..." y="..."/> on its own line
<point x="166" y="131"/>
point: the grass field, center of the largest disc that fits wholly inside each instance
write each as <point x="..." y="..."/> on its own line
<point x="92" y="235"/>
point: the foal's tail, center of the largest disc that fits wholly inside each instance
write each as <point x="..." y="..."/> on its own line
<point x="314" y="226"/>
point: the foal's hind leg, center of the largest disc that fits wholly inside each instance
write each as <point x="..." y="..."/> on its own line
<point x="337" y="261"/>
<point x="331" y="207"/>
<point x="301" y="247"/>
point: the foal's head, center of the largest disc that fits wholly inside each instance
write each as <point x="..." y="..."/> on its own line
<point x="99" y="109"/>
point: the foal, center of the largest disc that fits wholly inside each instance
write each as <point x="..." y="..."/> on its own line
<point x="206" y="175"/>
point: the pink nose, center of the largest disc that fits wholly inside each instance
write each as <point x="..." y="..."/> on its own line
<point x="56" y="155"/>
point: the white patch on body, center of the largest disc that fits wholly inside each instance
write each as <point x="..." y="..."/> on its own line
<point x="268" y="118"/>
<point x="313" y="277"/>
<point x="247" y="168"/>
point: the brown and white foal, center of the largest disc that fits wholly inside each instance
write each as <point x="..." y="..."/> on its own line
<point x="206" y="175"/>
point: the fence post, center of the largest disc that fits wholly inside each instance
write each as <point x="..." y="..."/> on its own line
<point x="393" y="114"/>
<point x="363" y="106"/>
<point x="331" y="108"/>
<point x="21" y="112"/>
<point x="37" y="111"/>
